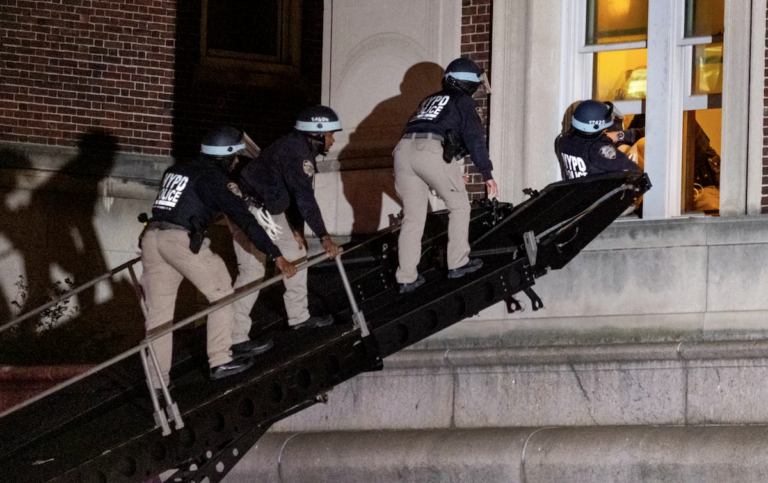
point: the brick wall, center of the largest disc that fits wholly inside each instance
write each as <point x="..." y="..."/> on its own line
<point x="129" y="68"/>
<point x="68" y="66"/>
<point x="476" y="44"/>
<point x="764" y="200"/>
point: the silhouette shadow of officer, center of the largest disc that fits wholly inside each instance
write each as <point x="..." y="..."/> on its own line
<point x="17" y="232"/>
<point x="55" y="229"/>
<point x="366" y="161"/>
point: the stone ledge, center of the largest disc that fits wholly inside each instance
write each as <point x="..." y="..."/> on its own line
<point x="533" y="455"/>
<point x="683" y="351"/>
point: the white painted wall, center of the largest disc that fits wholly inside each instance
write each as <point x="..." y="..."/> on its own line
<point x="380" y="60"/>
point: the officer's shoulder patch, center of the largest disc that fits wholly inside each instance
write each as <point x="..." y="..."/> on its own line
<point x="235" y="189"/>
<point x="608" y="152"/>
<point x="309" y="169"/>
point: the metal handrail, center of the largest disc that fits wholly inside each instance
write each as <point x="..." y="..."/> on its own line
<point x="69" y="294"/>
<point x="183" y="323"/>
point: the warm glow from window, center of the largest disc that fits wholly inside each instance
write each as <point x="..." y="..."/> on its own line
<point x="615" y="21"/>
<point x="617" y="9"/>
<point x="620" y="75"/>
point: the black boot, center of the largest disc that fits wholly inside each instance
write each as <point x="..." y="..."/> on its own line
<point x="410" y="287"/>
<point x="231" y="368"/>
<point x="250" y="348"/>
<point x="471" y="266"/>
<point x="314" y="322"/>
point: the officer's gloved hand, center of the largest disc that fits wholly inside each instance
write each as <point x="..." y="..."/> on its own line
<point x="493" y="189"/>
<point x="287" y="268"/>
<point x="330" y="247"/>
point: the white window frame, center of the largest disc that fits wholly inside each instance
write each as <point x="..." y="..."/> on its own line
<point x="669" y="94"/>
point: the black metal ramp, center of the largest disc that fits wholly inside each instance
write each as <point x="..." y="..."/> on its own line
<point x="102" y="428"/>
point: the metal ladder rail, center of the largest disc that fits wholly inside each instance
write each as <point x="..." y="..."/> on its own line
<point x="127" y="265"/>
<point x="145" y="344"/>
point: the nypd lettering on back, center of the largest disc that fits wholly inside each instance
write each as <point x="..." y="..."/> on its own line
<point x="173" y="186"/>
<point x="574" y="166"/>
<point x="430" y="108"/>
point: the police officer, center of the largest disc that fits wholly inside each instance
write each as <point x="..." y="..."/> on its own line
<point x="444" y="128"/>
<point x="174" y="247"/>
<point x="586" y="149"/>
<point x="281" y="184"/>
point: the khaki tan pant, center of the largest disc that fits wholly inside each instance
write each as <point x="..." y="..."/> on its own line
<point x="250" y="262"/>
<point x="167" y="260"/>
<point x="419" y="166"/>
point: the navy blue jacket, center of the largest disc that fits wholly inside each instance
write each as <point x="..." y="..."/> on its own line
<point x="590" y="156"/>
<point x="200" y="189"/>
<point x="282" y="179"/>
<point x="454" y="109"/>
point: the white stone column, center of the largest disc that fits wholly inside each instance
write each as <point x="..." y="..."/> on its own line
<point x="526" y="86"/>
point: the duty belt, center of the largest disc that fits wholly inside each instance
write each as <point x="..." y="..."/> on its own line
<point x="423" y="135"/>
<point x="164" y="225"/>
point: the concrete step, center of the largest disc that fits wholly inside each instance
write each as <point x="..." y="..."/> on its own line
<point x="624" y="384"/>
<point x="513" y="455"/>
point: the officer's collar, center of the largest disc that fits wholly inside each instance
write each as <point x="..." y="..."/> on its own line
<point x="310" y="144"/>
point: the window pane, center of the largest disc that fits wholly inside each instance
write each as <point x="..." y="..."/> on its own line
<point x="620" y="75"/>
<point x="701" y="160"/>
<point x="704" y="17"/>
<point x="707" y="69"/>
<point x="244" y="27"/>
<point x="615" y="21"/>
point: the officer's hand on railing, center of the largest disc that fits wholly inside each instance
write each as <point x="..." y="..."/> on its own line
<point x="330" y="247"/>
<point x="493" y="189"/>
<point x="287" y="268"/>
<point x="299" y="237"/>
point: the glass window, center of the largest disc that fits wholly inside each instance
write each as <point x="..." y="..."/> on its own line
<point x="235" y="27"/>
<point x="707" y="69"/>
<point x="620" y="75"/>
<point x="613" y="66"/>
<point x="704" y="18"/>
<point x="701" y="161"/>
<point x="616" y="21"/>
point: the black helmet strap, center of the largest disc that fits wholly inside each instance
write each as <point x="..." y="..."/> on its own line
<point x="467" y="87"/>
<point x="317" y="139"/>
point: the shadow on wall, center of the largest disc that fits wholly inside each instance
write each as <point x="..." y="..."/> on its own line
<point x="363" y="187"/>
<point x="50" y="247"/>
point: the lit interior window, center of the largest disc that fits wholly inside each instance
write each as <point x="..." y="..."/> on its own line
<point x="616" y="21"/>
<point x="704" y="18"/>
<point x="707" y="69"/>
<point x="620" y="75"/>
<point x="701" y="160"/>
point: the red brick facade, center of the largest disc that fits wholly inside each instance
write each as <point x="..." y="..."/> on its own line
<point x="476" y="44"/>
<point x="764" y="199"/>
<point x="129" y="68"/>
<point x="71" y="66"/>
